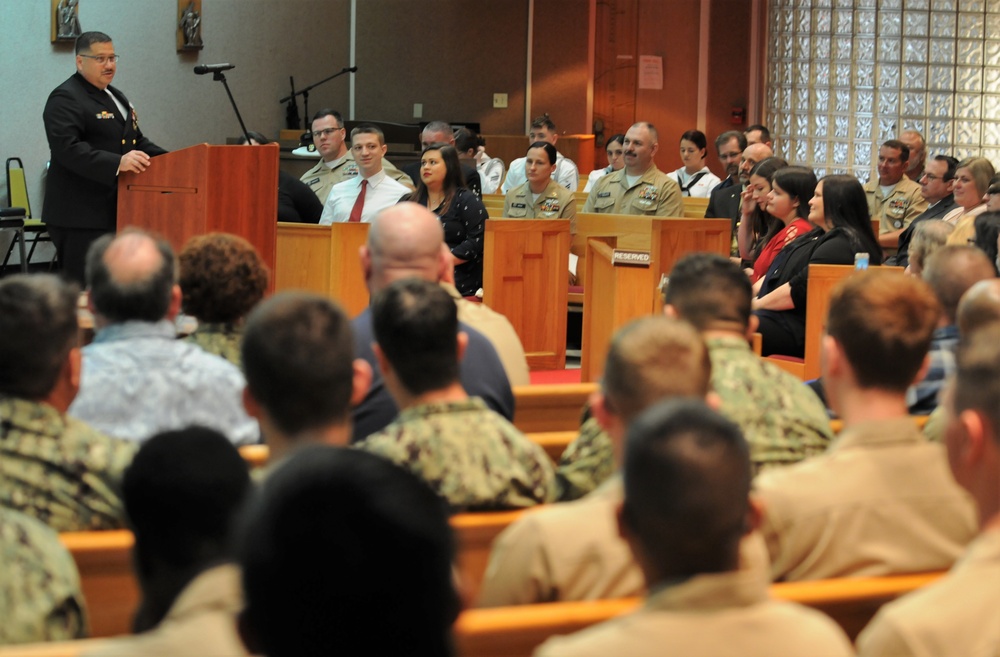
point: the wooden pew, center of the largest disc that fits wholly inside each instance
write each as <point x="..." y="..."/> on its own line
<point x="109" y="587"/>
<point x="104" y="561"/>
<point x="694" y="208"/>
<point x="323" y="259"/>
<point x="822" y="280"/>
<point x="517" y="631"/>
<point x="553" y="442"/>
<point x="614" y="294"/>
<point x="525" y="278"/>
<point x="556" y="407"/>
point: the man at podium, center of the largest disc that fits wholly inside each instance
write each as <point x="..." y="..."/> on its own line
<point x="93" y="132"/>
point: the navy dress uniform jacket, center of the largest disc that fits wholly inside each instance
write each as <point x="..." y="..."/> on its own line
<point x="87" y="137"/>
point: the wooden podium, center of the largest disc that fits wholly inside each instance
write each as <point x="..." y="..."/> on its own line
<point x="325" y="260"/>
<point x="205" y="189"/>
<point x="526" y="278"/>
<point x="615" y="294"/>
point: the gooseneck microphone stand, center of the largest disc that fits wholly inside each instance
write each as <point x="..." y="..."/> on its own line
<point x="305" y="92"/>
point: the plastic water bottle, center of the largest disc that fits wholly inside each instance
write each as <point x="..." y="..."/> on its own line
<point x="861" y="261"/>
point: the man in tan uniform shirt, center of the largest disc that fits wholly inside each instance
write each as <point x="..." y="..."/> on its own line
<point x="881" y="500"/>
<point x="893" y="199"/>
<point x="685" y="511"/>
<point x="639" y="188"/>
<point x="336" y="160"/>
<point x="959" y="615"/>
<point x="572" y="551"/>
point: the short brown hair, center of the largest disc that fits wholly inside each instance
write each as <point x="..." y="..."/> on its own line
<point x="222" y="277"/>
<point x="653" y="358"/>
<point x="884" y="322"/>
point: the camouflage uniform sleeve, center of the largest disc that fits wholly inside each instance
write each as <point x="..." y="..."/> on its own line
<point x="40" y="598"/>
<point x="587" y="462"/>
<point x="103" y="500"/>
<point x="670" y="204"/>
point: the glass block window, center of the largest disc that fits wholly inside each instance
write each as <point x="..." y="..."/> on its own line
<point x="845" y="75"/>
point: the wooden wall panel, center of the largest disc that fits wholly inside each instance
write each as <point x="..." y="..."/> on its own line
<point x="449" y="55"/>
<point x="560" y="69"/>
<point x="728" y="70"/>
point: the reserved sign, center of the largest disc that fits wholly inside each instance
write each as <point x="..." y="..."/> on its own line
<point x="630" y="258"/>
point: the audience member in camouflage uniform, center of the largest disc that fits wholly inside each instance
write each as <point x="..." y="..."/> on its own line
<point x="469" y="454"/>
<point x="53" y="467"/>
<point x="784" y="422"/>
<point x="573" y="551"/>
<point x="40" y="598"/>
<point x="302" y="374"/>
<point x="222" y="278"/>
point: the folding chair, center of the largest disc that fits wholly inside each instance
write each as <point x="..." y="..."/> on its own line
<point x="12" y="219"/>
<point x="17" y="194"/>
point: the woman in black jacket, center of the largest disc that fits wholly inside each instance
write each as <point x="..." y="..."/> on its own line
<point x="839" y="210"/>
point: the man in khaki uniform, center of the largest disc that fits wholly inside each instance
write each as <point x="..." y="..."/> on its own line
<point x="880" y="501"/>
<point x="893" y="199"/>
<point x="336" y="160"/>
<point x="958" y="615"/>
<point x="572" y="551"/>
<point x="639" y="188"/>
<point x="684" y="514"/>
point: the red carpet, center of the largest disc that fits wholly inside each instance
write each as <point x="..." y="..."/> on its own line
<point x="555" y="376"/>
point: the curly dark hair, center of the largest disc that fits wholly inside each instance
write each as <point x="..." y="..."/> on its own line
<point x="222" y="277"/>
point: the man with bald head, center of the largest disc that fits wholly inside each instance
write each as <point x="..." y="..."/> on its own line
<point x="138" y="379"/>
<point x="406" y="240"/>
<point x="638" y="188"/>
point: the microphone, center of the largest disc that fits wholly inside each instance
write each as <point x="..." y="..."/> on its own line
<point x="212" y="68"/>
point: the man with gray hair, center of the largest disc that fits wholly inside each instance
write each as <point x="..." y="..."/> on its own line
<point x="439" y="132"/>
<point x="138" y="379"/>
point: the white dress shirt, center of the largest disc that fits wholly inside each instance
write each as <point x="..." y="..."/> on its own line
<point x="382" y="192"/>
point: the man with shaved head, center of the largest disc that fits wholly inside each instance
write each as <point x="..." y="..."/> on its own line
<point x="406" y="240"/>
<point x="138" y="379"/>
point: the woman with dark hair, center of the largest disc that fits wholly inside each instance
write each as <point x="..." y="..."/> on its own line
<point x="441" y="189"/>
<point x="540" y="197"/>
<point x="788" y="203"/>
<point x="839" y="210"/>
<point x="756" y="227"/>
<point x="616" y="160"/>
<point x="222" y="278"/>
<point x="694" y="178"/>
<point x="987" y="227"/>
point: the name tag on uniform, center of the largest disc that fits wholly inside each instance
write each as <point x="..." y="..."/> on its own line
<point x="603" y="194"/>
<point x="518" y="205"/>
<point x="312" y="182"/>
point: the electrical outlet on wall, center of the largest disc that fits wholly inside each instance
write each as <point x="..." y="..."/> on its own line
<point x="418" y="110"/>
<point x="500" y="101"/>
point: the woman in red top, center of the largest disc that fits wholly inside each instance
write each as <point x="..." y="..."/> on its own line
<point x="788" y="202"/>
<point x="756" y="226"/>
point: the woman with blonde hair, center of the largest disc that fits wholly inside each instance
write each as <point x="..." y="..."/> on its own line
<point x="972" y="180"/>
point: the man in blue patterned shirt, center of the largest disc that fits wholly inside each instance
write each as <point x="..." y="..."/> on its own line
<point x="138" y="379"/>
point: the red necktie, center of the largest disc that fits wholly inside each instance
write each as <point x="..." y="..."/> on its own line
<point x="359" y="204"/>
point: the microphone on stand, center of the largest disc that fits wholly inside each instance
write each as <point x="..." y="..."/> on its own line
<point x="212" y="68"/>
